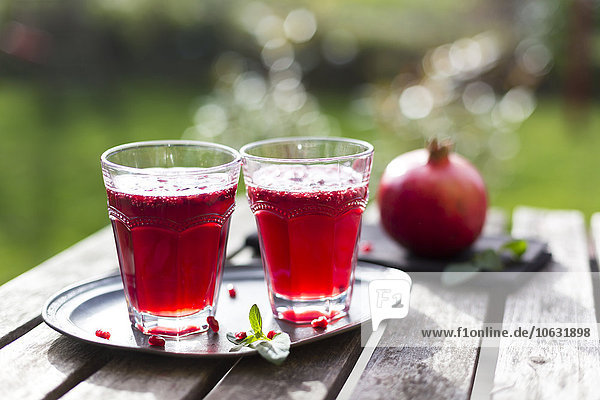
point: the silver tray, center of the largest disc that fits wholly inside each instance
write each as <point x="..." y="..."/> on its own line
<point x="81" y="309"/>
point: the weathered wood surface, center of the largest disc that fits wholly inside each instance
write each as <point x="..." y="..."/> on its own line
<point x="141" y="376"/>
<point x="312" y="372"/>
<point x="406" y="366"/>
<point x="45" y="364"/>
<point x="595" y="235"/>
<point x="542" y="369"/>
<point x="23" y="297"/>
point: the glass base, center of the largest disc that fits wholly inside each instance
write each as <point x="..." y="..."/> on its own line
<point x="170" y="326"/>
<point x="304" y="311"/>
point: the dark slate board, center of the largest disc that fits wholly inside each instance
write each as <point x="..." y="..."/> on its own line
<point x="385" y="251"/>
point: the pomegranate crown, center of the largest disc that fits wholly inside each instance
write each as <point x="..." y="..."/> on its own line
<point x="439" y="150"/>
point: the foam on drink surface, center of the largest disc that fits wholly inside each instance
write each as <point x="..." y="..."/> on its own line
<point x="307" y="178"/>
<point x="170" y="182"/>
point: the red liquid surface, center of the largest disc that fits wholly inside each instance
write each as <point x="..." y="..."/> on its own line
<point x="171" y="248"/>
<point x="308" y="238"/>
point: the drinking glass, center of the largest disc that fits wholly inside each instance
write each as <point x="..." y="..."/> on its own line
<point x="170" y="204"/>
<point x="308" y="196"/>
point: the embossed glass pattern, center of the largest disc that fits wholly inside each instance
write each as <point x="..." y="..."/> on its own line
<point x="170" y="204"/>
<point x="308" y="196"/>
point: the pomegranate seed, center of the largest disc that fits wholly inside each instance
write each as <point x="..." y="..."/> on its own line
<point x="320" y="322"/>
<point x="365" y="247"/>
<point x="213" y="323"/>
<point x="231" y="290"/>
<point x="103" y="334"/>
<point x="271" y="334"/>
<point x="156" y="341"/>
<point x="240" y="335"/>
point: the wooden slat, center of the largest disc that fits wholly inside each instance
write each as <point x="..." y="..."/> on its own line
<point x="411" y="369"/>
<point x="495" y="222"/>
<point x="140" y="376"/>
<point x="547" y="369"/>
<point x="23" y="297"/>
<point x="595" y="232"/>
<point x="45" y="364"/>
<point x="312" y="371"/>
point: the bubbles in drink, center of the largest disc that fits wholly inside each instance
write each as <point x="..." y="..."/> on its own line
<point x="170" y="182"/>
<point x="307" y="178"/>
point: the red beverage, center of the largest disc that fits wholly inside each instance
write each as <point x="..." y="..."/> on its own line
<point x="308" y="219"/>
<point x="171" y="238"/>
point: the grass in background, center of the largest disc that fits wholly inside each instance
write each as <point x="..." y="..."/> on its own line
<point x="52" y="193"/>
<point x="558" y="165"/>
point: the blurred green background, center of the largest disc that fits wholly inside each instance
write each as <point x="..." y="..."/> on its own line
<point x="510" y="81"/>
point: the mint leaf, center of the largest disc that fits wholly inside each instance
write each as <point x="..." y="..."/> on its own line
<point x="275" y="350"/>
<point x="455" y="274"/>
<point x="518" y="247"/>
<point x="255" y="320"/>
<point x="231" y="337"/>
<point x="488" y="260"/>
<point x="250" y="338"/>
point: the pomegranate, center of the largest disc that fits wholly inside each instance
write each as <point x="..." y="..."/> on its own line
<point x="157" y="341"/>
<point x="231" y="290"/>
<point x="319" y="323"/>
<point x="213" y="323"/>
<point x="432" y="201"/>
<point x="103" y="334"/>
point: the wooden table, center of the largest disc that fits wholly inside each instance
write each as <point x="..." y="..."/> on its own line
<point x="39" y="363"/>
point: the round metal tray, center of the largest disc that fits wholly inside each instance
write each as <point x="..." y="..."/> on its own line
<point x="81" y="309"/>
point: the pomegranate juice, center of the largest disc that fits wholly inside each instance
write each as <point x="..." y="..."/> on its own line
<point x="308" y="219"/>
<point x="171" y="238"/>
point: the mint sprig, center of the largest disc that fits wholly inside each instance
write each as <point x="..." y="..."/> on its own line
<point x="486" y="260"/>
<point x="255" y="320"/>
<point x="517" y="247"/>
<point x="274" y="350"/>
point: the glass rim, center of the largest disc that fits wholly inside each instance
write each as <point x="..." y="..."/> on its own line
<point x="368" y="150"/>
<point x="168" y="143"/>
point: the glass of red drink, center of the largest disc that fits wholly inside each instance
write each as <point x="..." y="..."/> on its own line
<point x="308" y="196"/>
<point x="170" y="204"/>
